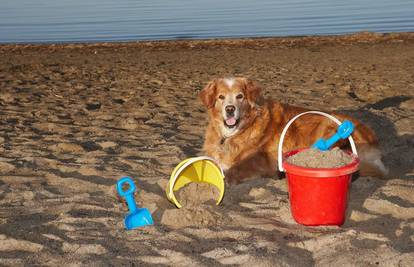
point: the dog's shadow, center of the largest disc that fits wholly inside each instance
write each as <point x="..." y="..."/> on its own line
<point x="396" y="149"/>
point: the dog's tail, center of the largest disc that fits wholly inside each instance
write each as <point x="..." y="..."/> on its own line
<point x="371" y="161"/>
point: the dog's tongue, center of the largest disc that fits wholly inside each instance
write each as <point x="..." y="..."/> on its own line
<point x="231" y="121"/>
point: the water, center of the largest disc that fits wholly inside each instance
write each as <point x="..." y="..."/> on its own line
<point x="34" y="21"/>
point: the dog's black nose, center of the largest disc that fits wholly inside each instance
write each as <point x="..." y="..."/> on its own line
<point x="230" y="109"/>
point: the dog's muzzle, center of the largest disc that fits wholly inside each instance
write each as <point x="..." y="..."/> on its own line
<point x="230" y="120"/>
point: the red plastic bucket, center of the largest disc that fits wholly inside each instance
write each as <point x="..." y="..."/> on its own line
<point x="319" y="196"/>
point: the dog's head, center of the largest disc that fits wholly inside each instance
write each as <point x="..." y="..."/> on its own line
<point x="231" y="102"/>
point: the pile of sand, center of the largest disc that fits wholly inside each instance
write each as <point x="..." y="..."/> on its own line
<point x="198" y="202"/>
<point x="195" y="194"/>
<point x="315" y="158"/>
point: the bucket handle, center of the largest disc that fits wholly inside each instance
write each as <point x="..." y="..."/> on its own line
<point x="282" y="136"/>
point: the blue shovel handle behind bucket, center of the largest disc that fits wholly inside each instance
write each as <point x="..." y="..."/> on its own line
<point x="136" y="217"/>
<point x="344" y="131"/>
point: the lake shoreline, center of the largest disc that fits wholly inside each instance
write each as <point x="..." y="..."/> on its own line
<point x="360" y="37"/>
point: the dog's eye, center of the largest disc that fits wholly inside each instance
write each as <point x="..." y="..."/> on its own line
<point x="221" y="97"/>
<point x="239" y="96"/>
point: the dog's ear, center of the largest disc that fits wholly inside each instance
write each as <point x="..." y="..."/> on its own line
<point x="208" y="94"/>
<point x="253" y="92"/>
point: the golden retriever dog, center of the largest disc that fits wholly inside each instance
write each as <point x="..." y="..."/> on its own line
<point x="244" y="130"/>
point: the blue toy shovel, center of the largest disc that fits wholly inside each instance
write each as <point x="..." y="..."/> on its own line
<point x="136" y="217"/>
<point x="344" y="131"/>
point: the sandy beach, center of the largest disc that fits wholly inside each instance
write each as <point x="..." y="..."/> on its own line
<point x="74" y="118"/>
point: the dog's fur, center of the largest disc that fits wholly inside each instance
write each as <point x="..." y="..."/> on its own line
<point x="244" y="142"/>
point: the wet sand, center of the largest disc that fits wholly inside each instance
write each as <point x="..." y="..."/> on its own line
<point x="75" y="118"/>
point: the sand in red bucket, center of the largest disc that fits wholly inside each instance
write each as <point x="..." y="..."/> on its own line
<point x="319" y="196"/>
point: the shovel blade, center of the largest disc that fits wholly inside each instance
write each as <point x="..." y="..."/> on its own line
<point x="141" y="217"/>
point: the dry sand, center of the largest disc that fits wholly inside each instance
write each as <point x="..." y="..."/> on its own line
<point x="75" y="118"/>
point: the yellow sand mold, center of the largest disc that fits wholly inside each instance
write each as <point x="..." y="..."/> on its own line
<point x="197" y="169"/>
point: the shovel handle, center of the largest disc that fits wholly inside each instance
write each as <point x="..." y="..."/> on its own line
<point x="121" y="182"/>
<point x="128" y="194"/>
<point x="345" y="129"/>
